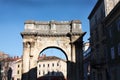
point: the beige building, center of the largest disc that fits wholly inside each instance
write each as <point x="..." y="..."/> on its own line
<point x="48" y="67"/>
<point x="11" y="68"/>
<point x="16" y="69"/>
<point x="3" y="65"/>
<point x="51" y="67"/>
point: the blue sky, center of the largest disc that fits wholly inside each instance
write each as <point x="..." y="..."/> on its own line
<point x="13" y="14"/>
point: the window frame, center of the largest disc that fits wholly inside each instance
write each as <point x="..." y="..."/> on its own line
<point x="18" y="65"/>
<point x="43" y="65"/>
<point x="112" y="51"/>
<point x="18" y="72"/>
<point x="39" y="65"/>
<point x="48" y="65"/>
<point x="110" y="32"/>
<point x="52" y="64"/>
<point x="118" y="25"/>
<point x="119" y="49"/>
<point x="39" y="72"/>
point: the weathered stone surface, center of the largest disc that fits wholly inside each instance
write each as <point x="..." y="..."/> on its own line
<point x="63" y="35"/>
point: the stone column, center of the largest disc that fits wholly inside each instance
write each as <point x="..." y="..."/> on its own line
<point x="73" y="62"/>
<point x="26" y="59"/>
<point x="79" y="60"/>
<point x="33" y="63"/>
<point x="71" y="65"/>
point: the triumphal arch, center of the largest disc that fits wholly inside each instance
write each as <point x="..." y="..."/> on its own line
<point x="64" y="35"/>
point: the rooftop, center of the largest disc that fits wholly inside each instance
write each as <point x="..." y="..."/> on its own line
<point x="47" y="58"/>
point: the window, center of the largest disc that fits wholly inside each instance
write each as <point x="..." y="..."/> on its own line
<point x="119" y="49"/>
<point x="118" y="25"/>
<point x="18" y="65"/>
<point x="43" y="72"/>
<point x="110" y="33"/>
<point x="18" y="72"/>
<point x="112" y="53"/>
<point x="57" y="64"/>
<point x="48" y="65"/>
<point x="39" y="65"/>
<point x="43" y="65"/>
<point x="48" y="72"/>
<point x="39" y="72"/>
<point x="53" y="73"/>
<point x="53" y="64"/>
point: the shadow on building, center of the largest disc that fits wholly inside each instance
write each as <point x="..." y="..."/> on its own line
<point x="9" y="73"/>
<point x="32" y="74"/>
<point x="52" y="76"/>
<point x="49" y="76"/>
<point x="71" y="74"/>
<point x="74" y="68"/>
<point x="27" y="76"/>
<point x="74" y="72"/>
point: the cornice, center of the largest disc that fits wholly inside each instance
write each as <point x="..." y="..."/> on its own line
<point x="113" y="14"/>
<point x="51" y="34"/>
<point x="95" y="8"/>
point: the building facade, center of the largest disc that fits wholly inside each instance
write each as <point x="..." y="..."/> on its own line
<point x="16" y="67"/>
<point x="99" y="67"/>
<point x="51" y="68"/>
<point x="48" y="68"/>
<point x="10" y="69"/>
<point x="112" y="26"/>
<point x="3" y="65"/>
<point x="86" y="60"/>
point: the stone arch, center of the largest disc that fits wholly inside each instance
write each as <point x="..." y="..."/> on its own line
<point x="65" y="35"/>
<point x="56" y="48"/>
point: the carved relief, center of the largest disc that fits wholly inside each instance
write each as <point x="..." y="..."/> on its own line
<point x="32" y="44"/>
<point x="28" y="44"/>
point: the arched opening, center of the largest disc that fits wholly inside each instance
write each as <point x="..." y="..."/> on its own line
<point x="52" y="64"/>
<point x="54" y="51"/>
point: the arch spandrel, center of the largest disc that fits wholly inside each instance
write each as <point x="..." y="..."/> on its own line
<point x="63" y="44"/>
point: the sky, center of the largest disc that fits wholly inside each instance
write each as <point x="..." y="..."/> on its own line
<point x="13" y="14"/>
